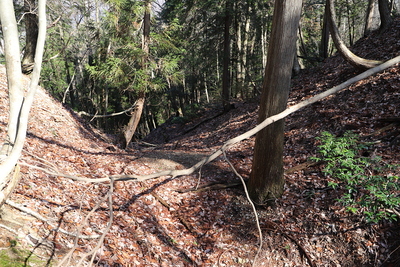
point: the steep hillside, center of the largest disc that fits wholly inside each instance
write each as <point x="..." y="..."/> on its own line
<point x="160" y="223"/>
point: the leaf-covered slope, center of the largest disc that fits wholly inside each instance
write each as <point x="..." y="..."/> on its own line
<point x="155" y="225"/>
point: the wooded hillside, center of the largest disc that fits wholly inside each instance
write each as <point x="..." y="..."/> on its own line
<point x="167" y="222"/>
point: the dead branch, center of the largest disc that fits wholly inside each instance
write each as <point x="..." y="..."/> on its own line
<point x="303" y="166"/>
<point x="201" y="122"/>
<point x="8" y="229"/>
<point x="252" y="206"/>
<point x="272" y="226"/>
<point x="209" y="186"/>
<point x="230" y="142"/>
<point x="92" y="252"/>
<point x="80" y="113"/>
<point x="217" y="185"/>
<point x="181" y="218"/>
<point x="48" y="221"/>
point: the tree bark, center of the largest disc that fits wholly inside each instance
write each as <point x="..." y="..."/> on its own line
<point x="134" y="120"/>
<point x="369" y="17"/>
<point x="31" y="32"/>
<point x="226" y="79"/>
<point x="137" y="113"/>
<point x="17" y="138"/>
<point x="266" y="179"/>
<point x="13" y="66"/>
<point x="384" y="12"/>
<point x="350" y="57"/>
<point x="324" y="47"/>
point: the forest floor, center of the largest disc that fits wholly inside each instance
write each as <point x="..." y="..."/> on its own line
<point x="164" y="222"/>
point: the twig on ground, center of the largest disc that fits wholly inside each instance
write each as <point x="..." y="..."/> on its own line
<point x="220" y="256"/>
<point x="180" y="218"/>
<point x="48" y="221"/>
<point x="209" y="186"/>
<point x="67" y="257"/>
<point x="252" y="205"/>
<point x="9" y="229"/>
<point x="237" y="139"/>
<point x="302" y="249"/>
<point x="45" y="162"/>
<point x="276" y="228"/>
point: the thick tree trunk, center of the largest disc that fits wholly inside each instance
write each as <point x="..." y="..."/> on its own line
<point x="384" y="12"/>
<point x="266" y="179"/>
<point x="134" y="120"/>
<point x="324" y="47"/>
<point x="31" y="31"/>
<point x="350" y="57"/>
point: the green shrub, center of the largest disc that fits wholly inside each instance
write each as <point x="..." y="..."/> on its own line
<point x="367" y="182"/>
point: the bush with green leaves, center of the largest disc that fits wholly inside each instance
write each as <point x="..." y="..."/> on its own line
<point x="370" y="185"/>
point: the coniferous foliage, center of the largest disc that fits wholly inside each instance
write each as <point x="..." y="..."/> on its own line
<point x="94" y="56"/>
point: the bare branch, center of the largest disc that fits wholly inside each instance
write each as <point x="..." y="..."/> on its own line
<point x="46" y="220"/>
<point x="252" y="206"/>
<point x="230" y="142"/>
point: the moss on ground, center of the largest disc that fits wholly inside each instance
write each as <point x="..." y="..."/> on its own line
<point x="18" y="257"/>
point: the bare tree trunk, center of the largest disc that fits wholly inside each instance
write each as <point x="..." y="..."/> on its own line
<point x="13" y="67"/>
<point x="20" y="120"/>
<point x="137" y="113"/>
<point x="354" y="60"/>
<point x="243" y="47"/>
<point x="134" y="120"/>
<point x="226" y="79"/>
<point x="31" y="35"/>
<point x="384" y="12"/>
<point x="324" y="47"/>
<point x="266" y="179"/>
<point x="369" y="17"/>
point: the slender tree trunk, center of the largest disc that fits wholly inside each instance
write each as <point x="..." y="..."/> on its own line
<point x="137" y="113"/>
<point x="226" y="79"/>
<point x="354" y="60"/>
<point x="369" y="17"/>
<point x="324" y="48"/>
<point x="266" y="179"/>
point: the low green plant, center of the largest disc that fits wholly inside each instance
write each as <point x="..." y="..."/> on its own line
<point x="15" y="257"/>
<point x="368" y="183"/>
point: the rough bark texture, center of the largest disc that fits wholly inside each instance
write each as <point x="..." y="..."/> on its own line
<point x="350" y="57"/>
<point x="134" y="121"/>
<point x="137" y="113"/>
<point x="226" y="83"/>
<point x="369" y="17"/>
<point x="266" y="179"/>
<point x="31" y="30"/>
<point x="384" y="12"/>
<point x="323" y="52"/>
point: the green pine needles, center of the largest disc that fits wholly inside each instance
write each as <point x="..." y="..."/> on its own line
<point x="369" y="185"/>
